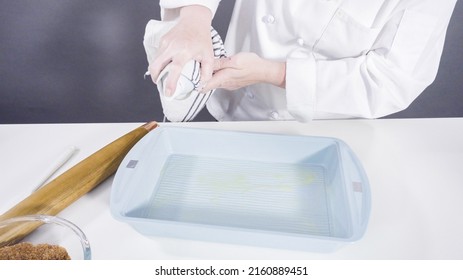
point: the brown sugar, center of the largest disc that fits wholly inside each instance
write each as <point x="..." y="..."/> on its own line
<point x="29" y="251"/>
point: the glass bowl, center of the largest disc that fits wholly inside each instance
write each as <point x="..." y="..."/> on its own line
<point x="53" y="238"/>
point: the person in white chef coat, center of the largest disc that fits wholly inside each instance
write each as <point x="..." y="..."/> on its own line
<point x="308" y="59"/>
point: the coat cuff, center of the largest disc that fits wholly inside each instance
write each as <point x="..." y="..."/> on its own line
<point x="301" y="85"/>
<point x="175" y="4"/>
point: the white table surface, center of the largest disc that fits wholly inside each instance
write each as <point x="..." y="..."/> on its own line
<point x="415" y="168"/>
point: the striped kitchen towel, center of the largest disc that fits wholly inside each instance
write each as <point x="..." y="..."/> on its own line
<point x="186" y="102"/>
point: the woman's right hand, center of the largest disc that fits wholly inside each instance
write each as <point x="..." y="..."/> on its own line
<point x="189" y="39"/>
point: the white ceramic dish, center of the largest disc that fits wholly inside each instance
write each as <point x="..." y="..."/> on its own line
<point x="292" y="192"/>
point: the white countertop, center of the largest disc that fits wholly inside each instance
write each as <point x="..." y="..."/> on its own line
<point x="415" y="168"/>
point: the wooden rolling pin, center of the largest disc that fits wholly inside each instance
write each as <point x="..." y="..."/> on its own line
<point x="72" y="184"/>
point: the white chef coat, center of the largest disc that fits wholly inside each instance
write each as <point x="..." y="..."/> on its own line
<point x="344" y="58"/>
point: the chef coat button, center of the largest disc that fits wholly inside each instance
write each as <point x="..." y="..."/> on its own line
<point x="274" y="115"/>
<point x="300" y="42"/>
<point x="250" y="95"/>
<point x="268" y="19"/>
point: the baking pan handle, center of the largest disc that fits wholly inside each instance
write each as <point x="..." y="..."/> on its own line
<point x="359" y="193"/>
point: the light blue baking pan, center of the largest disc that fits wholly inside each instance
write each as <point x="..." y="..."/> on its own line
<point x="292" y="192"/>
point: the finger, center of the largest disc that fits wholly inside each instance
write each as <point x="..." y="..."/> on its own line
<point x="157" y="66"/>
<point x="207" y="66"/>
<point x="154" y="74"/>
<point x="165" y="54"/>
<point x="217" y="65"/>
<point x="217" y="80"/>
<point x="221" y="63"/>
<point x="174" y="72"/>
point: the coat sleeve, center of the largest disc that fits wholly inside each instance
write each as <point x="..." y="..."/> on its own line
<point x="169" y="8"/>
<point x="401" y="63"/>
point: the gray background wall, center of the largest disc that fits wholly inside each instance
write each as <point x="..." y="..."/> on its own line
<point x="78" y="61"/>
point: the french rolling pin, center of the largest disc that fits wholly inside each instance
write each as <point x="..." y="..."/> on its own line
<point x="72" y="184"/>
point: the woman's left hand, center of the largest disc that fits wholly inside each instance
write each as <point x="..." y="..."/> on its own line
<point x="245" y="69"/>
